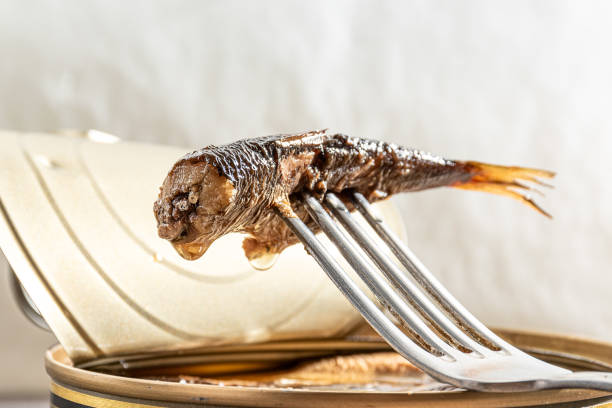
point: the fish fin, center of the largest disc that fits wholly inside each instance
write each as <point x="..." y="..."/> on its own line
<point x="505" y="180"/>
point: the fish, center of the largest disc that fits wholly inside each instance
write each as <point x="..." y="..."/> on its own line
<point x="242" y="187"/>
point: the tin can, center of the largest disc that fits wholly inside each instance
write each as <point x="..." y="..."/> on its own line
<point x="79" y="387"/>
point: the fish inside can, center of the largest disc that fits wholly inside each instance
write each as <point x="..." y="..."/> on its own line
<point x="358" y="372"/>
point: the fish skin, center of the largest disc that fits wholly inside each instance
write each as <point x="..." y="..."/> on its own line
<point x="239" y="187"/>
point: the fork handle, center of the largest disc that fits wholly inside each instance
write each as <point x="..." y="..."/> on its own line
<point x="593" y="380"/>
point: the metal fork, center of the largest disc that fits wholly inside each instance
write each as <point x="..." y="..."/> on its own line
<point x="439" y="335"/>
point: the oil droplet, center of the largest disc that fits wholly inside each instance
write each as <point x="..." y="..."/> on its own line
<point x="158" y="257"/>
<point x="264" y="262"/>
<point x="190" y="251"/>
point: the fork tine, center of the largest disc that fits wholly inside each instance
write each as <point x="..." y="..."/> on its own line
<point x="495" y="372"/>
<point x="435" y="366"/>
<point x="407" y="288"/>
<point x="427" y="280"/>
<point x="373" y="280"/>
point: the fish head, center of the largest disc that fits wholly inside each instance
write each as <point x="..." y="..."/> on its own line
<point x="191" y="207"/>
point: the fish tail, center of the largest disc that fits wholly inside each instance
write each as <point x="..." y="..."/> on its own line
<point x="505" y="180"/>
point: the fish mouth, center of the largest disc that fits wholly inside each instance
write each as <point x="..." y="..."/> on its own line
<point x="184" y="238"/>
<point x="172" y="231"/>
<point x="182" y="241"/>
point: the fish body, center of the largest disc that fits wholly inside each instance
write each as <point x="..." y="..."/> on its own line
<point x="241" y="186"/>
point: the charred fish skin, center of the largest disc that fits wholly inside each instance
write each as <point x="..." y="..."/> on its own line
<point x="239" y="186"/>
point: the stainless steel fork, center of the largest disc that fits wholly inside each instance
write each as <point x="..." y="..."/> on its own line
<point x="439" y="335"/>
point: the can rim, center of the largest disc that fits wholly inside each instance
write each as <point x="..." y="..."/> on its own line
<point x="582" y="352"/>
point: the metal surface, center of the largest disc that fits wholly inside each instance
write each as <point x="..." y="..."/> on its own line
<point x="117" y="390"/>
<point x="25" y="303"/>
<point x="462" y="352"/>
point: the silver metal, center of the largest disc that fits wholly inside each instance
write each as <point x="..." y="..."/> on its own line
<point x="25" y="303"/>
<point x="440" y="336"/>
<point x="425" y="278"/>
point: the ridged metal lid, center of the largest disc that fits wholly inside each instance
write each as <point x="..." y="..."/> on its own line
<point x="77" y="227"/>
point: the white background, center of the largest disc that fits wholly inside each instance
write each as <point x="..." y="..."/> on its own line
<point x="509" y="82"/>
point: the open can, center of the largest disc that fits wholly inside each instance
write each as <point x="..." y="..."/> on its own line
<point x="136" y="329"/>
<point x="225" y="376"/>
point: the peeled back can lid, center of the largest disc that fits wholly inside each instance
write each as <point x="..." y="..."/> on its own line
<point x="77" y="227"/>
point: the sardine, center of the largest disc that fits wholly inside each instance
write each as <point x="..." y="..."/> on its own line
<point x="241" y="186"/>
